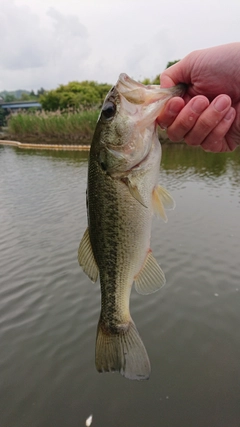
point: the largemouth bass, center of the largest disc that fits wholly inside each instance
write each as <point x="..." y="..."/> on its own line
<point x="122" y="195"/>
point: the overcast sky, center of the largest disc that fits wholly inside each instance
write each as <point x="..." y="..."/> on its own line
<point x="44" y="43"/>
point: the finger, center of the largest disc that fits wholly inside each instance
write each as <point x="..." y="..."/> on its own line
<point x="177" y="73"/>
<point x="187" y="118"/>
<point x="170" y="112"/>
<point x="233" y="135"/>
<point x="231" y="142"/>
<point x="216" y="141"/>
<point x="166" y="81"/>
<point x="209" y="120"/>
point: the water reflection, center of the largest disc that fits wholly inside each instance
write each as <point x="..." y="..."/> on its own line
<point x="177" y="158"/>
<point x="180" y="158"/>
<point x="75" y="156"/>
<point x="49" y="309"/>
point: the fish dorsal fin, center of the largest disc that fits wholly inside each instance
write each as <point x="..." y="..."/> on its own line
<point x="162" y="199"/>
<point x="86" y="258"/>
<point x="151" y="277"/>
<point x="134" y="191"/>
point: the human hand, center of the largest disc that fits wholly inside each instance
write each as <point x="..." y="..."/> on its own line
<point x="209" y="113"/>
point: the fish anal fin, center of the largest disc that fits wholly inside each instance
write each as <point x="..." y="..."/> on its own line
<point x="151" y="278"/>
<point x="86" y="258"/>
<point x="162" y="200"/>
<point x="122" y="351"/>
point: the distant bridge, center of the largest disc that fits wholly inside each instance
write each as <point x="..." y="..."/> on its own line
<point x="17" y="105"/>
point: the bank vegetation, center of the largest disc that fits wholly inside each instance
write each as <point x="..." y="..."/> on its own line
<point x="72" y="127"/>
<point x="68" y="115"/>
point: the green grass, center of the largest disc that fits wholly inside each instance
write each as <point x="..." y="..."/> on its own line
<point x="69" y="127"/>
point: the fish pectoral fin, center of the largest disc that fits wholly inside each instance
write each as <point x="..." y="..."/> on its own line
<point x="134" y="191"/>
<point x="162" y="200"/>
<point x="86" y="258"/>
<point x="122" y="351"/>
<point x="151" y="277"/>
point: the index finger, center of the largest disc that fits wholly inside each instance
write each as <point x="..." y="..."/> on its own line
<point x="170" y="112"/>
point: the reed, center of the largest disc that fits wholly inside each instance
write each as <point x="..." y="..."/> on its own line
<point x="69" y="126"/>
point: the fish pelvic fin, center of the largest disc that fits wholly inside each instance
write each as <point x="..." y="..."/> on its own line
<point x="162" y="200"/>
<point x="122" y="351"/>
<point x="86" y="258"/>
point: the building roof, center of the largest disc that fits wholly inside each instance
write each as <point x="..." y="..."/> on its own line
<point x="20" y="104"/>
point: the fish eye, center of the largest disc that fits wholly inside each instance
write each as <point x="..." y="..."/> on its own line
<point x="109" y="110"/>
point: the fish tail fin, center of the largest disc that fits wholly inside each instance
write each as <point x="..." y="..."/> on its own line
<point x="122" y="351"/>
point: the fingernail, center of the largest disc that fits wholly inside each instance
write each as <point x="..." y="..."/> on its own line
<point x="199" y="105"/>
<point x="221" y="103"/>
<point x="162" y="126"/>
<point x="229" y="114"/>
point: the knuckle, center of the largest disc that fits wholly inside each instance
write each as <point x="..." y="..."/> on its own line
<point x="185" y="124"/>
<point x="180" y="128"/>
<point x="205" y="124"/>
<point x="221" y="129"/>
<point x="173" y="136"/>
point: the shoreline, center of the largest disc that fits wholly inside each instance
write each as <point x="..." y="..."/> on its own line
<point x="51" y="146"/>
<point x="26" y="145"/>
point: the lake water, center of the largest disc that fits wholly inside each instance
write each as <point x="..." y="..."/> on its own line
<point x="49" y="309"/>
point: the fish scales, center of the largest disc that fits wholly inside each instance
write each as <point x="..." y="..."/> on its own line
<point x="122" y="195"/>
<point x="112" y="207"/>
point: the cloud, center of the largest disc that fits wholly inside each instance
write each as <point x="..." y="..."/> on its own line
<point x="45" y="43"/>
<point x="20" y="35"/>
<point x="38" y="50"/>
<point x="67" y="26"/>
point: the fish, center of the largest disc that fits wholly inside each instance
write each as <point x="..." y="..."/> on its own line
<point x="122" y="196"/>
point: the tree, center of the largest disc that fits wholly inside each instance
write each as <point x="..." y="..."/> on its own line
<point x="156" y="81"/>
<point x="9" y="97"/>
<point x="40" y="91"/>
<point x="85" y="95"/>
<point x="170" y="63"/>
<point x="25" y="97"/>
<point x="2" y="117"/>
<point x="146" y="81"/>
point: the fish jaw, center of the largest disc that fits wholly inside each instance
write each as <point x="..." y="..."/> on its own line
<point x="149" y="98"/>
<point x="137" y="93"/>
<point x="128" y="136"/>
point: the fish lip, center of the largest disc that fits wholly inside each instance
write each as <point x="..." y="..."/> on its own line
<point x="138" y="93"/>
<point x="125" y="80"/>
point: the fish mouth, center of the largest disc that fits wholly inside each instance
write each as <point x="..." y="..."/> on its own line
<point x="140" y="94"/>
<point x="142" y="104"/>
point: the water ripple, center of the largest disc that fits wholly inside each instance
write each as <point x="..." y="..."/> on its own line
<point x="49" y="309"/>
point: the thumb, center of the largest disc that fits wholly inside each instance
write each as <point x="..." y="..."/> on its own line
<point x="166" y="81"/>
<point x="174" y="75"/>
